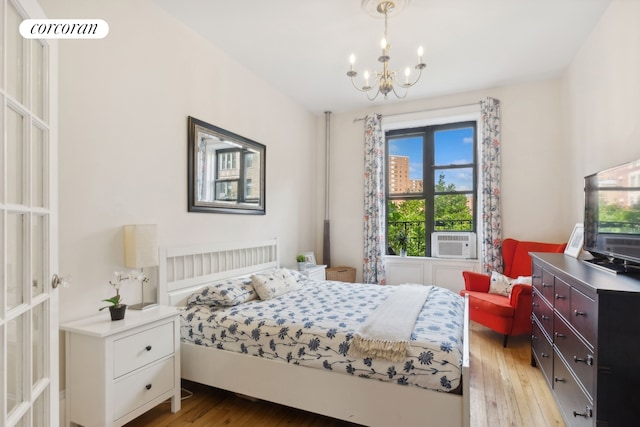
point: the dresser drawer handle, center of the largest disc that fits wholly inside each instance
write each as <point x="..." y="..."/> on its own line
<point x="534" y="337"/>
<point x="546" y="285"/>
<point x="559" y="380"/>
<point x="148" y="348"/>
<point x="588" y="360"/>
<point x="579" y="313"/>
<point x="560" y="335"/>
<point x="545" y="317"/>
<point x="558" y="296"/>
<point x="588" y="413"/>
<point x="148" y="386"/>
<point x="545" y="355"/>
<point x="535" y="304"/>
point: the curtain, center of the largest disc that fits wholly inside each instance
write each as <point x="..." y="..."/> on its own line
<point x="490" y="177"/>
<point x="374" y="201"/>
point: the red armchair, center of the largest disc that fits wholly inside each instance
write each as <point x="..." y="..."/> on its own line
<point x="506" y="315"/>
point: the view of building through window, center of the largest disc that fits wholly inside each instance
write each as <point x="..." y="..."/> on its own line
<point x="431" y="184"/>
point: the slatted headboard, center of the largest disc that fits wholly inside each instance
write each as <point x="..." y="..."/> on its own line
<point x="183" y="270"/>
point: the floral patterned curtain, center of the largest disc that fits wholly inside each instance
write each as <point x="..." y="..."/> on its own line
<point x="490" y="177"/>
<point x="374" y="200"/>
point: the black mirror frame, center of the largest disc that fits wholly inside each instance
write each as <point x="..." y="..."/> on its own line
<point x="214" y="207"/>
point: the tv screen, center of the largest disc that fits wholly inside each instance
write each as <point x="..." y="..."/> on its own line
<point x="612" y="214"/>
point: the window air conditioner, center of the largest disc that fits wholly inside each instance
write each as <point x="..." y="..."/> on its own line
<point x="453" y="245"/>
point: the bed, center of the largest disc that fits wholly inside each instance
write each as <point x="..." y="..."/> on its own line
<point x="321" y="389"/>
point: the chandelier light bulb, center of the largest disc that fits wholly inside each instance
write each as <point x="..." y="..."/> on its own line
<point x="407" y="73"/>
<point x="366" y="77"/>
<point x="420" y="52"/>
<point x="383" y="43"/>
<point x="352" y="59"/>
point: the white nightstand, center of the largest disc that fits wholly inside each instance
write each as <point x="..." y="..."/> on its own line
<point x="317" y="272"/>
<point x="118" y="370"/>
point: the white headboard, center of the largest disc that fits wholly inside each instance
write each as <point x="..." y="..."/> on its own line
<point x="183" y="270"/>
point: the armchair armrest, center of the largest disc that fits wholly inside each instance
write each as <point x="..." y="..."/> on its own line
<point x="476" y="281"/>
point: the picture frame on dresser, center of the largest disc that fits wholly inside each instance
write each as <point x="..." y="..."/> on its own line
<point x="310" y="259"/>
<point x="576" y="241"/>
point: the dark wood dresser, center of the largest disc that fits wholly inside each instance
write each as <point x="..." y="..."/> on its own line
<point x="586" y="340"/>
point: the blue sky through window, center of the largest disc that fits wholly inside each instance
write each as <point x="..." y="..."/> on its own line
<point x="452" y="147"/>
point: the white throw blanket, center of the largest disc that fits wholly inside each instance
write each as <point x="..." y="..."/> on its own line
<point x="387" y="331"/>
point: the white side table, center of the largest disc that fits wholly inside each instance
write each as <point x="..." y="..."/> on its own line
<point x="118" y="370"/>
<point x="317" y="272"/>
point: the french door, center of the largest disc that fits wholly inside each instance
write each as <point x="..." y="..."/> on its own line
<point x="28" y="223"/>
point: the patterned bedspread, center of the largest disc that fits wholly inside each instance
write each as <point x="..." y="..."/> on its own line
<point x="314" y="325"/>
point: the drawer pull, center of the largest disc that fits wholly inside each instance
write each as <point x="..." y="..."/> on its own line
<point x="546" y="285"/>
<point x="588" y="413"/>
<point x="534" y="337"/>
<point x="559" y="380"/>
<point x="579" y="313"/>
<point x="588" y="360"/>
<point x="560" y="335"/>
<point x="545" y="317"/>
<point x="148" y="348"/>
<point x="558" y="296"/>
<point x="148" y="386"/>
<point x="535" y="304"/>
<point x="545" y="355"/>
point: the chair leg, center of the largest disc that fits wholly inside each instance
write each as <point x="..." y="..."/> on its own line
<point x="504" y="342"/>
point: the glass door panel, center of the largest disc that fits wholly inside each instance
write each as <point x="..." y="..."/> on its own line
<point x="38" y="335"/>
<point x="38" y="162"/>
<point x="15" y="156"/>
<point x="15" y="360"/>
<point x="38" y="84"/>
<point x="15" y="51"/>
<point x="38" y="266"/>
<point x="15" y="259"/>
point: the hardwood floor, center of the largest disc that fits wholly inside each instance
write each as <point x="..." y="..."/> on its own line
<point x="505" y="391"/>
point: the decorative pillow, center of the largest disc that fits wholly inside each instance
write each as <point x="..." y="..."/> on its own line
<point x="273" y="284"/>
<point x="502" y="285"/>
<point x="226" y="293"/>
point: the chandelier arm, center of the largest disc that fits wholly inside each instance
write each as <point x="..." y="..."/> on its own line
<point x="363" y="88"/>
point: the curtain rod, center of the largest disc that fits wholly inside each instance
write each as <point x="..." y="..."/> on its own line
<point x="358" y="119"/>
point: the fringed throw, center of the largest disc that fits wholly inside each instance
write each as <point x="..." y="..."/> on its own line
<point x="387" y="331"/>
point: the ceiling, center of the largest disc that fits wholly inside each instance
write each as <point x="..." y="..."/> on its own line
<point x="302" y="47"/>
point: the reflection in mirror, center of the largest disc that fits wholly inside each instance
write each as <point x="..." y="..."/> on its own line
<point x="226" y="171"/>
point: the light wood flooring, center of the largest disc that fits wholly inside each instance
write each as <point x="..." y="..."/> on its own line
<point x="505" y="391"/>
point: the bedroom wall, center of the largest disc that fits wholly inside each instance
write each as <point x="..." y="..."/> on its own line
<point x="534" y="153"/>
<point x="602" y="88"/>
<point x="124" y="102"/>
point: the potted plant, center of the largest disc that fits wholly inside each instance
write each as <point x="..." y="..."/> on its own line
<point x="117" y="309"/>
<point x="402" y="239"/>
<point x="302" y="262"/>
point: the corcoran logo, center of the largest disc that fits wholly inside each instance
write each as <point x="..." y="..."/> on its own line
<point x="64" y="28"/>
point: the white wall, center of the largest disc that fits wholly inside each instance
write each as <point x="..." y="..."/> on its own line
<point x="124" y="102"/>
<point x="534" y="153"/>
<point x="603" y="91"/>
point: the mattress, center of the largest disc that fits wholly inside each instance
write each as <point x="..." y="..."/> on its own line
<point x="313" y="326"/>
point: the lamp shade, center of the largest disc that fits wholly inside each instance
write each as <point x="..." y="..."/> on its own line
<point x="140" y="245"/>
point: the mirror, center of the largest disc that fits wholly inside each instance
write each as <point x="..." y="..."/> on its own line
<point x="226" y="171"/>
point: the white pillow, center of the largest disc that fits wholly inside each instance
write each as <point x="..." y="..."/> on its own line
<point x="226" y="293"/>
<point x="502" y="285"/>
<point x="276" y="283"/>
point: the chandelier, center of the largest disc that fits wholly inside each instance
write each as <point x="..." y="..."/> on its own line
<point x="385" y="81"/>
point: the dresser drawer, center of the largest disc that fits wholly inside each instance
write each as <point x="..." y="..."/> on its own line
<point x="576" y="406"/>
<point x="544" y="283"/>
<point x="542" y="350"/>
<point x="137" y="350"/>
<point x="584" y="315"/>
<point x="543" y="312"/>
<point x="576" y="353"/>
<point x="137" y="389"/>
<point x="562" y="297"/>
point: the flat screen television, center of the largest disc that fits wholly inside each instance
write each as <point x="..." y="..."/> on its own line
<point x="612" y="218"/>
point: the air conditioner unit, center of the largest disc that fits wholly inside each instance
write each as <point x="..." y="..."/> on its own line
<point x="453" y="245"/>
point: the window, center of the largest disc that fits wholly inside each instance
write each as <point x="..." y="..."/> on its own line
<point x="431" y="184"/>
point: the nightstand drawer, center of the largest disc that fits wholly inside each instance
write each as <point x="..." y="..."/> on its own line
<point x="137" y="350"/>
<point x="134" y="391"/>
